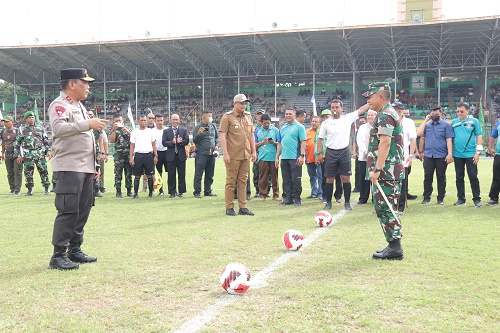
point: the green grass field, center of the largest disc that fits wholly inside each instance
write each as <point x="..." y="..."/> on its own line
<point x="159" y="262"/>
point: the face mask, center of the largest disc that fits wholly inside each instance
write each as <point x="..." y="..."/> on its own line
<point x="210" y="120"/>
<point x="435" y="118"/>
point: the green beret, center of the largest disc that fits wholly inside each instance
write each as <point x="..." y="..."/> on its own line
<point x="29" y="114"/>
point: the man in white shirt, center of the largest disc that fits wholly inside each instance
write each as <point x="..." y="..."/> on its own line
<point x="336" y="131"/>
<point x="409" y="147"/>
<point x="143" y="155"/>
<point x="362" y="140"/>
<point x="160" y="148"/>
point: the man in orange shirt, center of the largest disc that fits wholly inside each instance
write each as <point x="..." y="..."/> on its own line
<point x="313" y="169"/>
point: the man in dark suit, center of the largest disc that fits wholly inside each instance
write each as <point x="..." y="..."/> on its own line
<point x="175" y="138"/>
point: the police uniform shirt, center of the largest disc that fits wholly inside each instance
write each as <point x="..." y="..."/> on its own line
<point x="70" y="128"/>
<point x="466" y="131"/>
<point x="238" y="129"/>
<point x="337" y="131"/>
<point x="142" y="140"/>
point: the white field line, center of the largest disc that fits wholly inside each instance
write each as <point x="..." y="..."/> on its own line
<point x="258" y="280"/>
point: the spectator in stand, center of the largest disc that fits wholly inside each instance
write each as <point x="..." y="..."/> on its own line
<point x="436" y="135"/>
<point x="467" y="146"/>
<point x="313" y="169"/>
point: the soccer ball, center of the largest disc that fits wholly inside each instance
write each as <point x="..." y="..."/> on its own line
<point x="235" y="278"/>
<point x="293" y="240"/>
<point x="323" y="218"/>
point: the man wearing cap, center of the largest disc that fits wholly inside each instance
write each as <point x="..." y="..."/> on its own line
<point x="75" y="167"/>
<point x="436" y="135"/>
<point x="120" y="136"/>
<point x="385" y="163"/>
<point x="336" y="132"/>
<point x="30" y="148"/>
<point x="409" y="146"/>
<point x="238" y="146"/>
<point x="14" y="170"/>
<point x="467" y="146"/>
<point x="292" y="150"/>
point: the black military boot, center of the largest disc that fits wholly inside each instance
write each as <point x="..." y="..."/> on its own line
<point x="76" y="254"/>
<point x="392" y="252"/>
<point x="47" y="191"/>
<point x="129" y="192"/>
<point x="119" y="193"/>
<point x="30" y="192"/>
<point x="60" y="260"/>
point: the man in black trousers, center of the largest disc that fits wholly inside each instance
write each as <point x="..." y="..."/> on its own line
<point x="175" y="138"/>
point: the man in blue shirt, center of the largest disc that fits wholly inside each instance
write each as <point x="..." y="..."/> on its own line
<point x="293" y="135"/>
<point x="467" y="146"/>
<point x="437" y="137"/>
<point x="267" y="138"/>
<point x="495" y="152"/>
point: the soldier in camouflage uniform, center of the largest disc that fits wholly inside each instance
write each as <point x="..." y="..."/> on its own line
<point x="30" y="148"/>
<point x="121" y="137"/>
<point x="385" y="163"/>
<point x="99" y="155"/>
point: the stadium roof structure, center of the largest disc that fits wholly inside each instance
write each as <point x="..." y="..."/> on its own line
<point x="453" y="47"/>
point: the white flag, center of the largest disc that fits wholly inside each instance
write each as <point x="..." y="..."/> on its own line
<point x="313" y="100"/>
<point x="130" y="117"/>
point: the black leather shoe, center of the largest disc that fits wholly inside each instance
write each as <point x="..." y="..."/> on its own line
<point x="328" y="206"/>
<point x="210" y="194"/>
<point x="198" y="196"/>
<point x="61" y="261"/>
<point x="135" y="196"/>
<point x="98" y="194"/>
<point x="347" y="206"/>
<point x="286" y="202"/>
<point x="180" y="195"/>
<point x="230" y="212"/>
<point x="76" y="255"/>
<point x="391" y="252"/>
<point x="245" y="211"/>
<point x="150" y="195"/>
<point x="119" y="194"/>
<point x="129" y="192"/>
<point x="171" y="196"/>
<point x="411" y="196"/>
<point x="296" y="202"/>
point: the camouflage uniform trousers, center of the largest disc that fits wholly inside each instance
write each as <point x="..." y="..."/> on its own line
<point x="29" y="169"/>
<point x="391" y="225"/>
<point x="122" y="166"/>
<point x="14" y="171"/>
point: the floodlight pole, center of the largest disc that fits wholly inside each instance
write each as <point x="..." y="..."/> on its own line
<point x="239" y="77"/>
<point x="439" y="86"/>
<point x="275" y="89"/>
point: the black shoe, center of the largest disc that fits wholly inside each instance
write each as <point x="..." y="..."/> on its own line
<point x="411" y="196"/>
<point x="16" y="192"/>
<point x="257" y="195"/>
<point x="129" y="192"/>
<point x="355" y="190"/>
<point x="210" y="194"/>
<point x="96" y="194"/>
<point x="362" y="202"/>
<point x="172" y="195"/>
<point x="477" y="203"/>
<point x="245" y="211"/>
<point x="102" y="190"/>
<point x="249" y="197"/>
<point x="198" y="196"/>
<point x="47" y="191"/>
<point x="150" y="195"/>
<point x="135" y="196"/>
<point x="347" y="206"/>
<point x="440" y="202"/>
<point x="312" y="196"/>
<point x="492" y="203"/>
<point x="296" y="202"/>
<point x="230" y="212"/>
<point x="180" y="195"/>
<point x="460" y="202"/>
<point x="119" y="194"/>
<point x="29" y="193"/>
<point x="391" y="252"/>
<point x="76" y="255"/>
<point x="161" y="194"/>
<point x="286" y="202"/>
<point x="12" y="192"/>
<point x="61" y="261"/>
<point x="426" y="201"/>
<point x="328" y="206"/>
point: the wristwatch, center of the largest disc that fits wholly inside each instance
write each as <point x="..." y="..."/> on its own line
<point x="303" y="155"/>
<point x="377" y="170"/>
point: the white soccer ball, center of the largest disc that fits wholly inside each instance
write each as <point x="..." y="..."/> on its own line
<point x="235" y="278"/>
<point x="293" y="240"/>
<point x="323" y="218"/>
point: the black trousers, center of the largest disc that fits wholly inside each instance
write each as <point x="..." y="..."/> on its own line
<point x="495" y="183"/>
<point x="404" y="191"/>
<point x="439" y="166"/>
<point x="161" y="165"/>
<point x="359" y="175"/>
<point x="460" y="164"/>
<point x="74" y="200"/>
<point x="364" y="185"/>
<point x="292" y="178"/>
<point x="204" y="164"/>
<point x="176" y="167"/>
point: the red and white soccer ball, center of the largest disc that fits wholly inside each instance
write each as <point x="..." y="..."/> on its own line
<point x="293" y="240"/>
<point x="323" y="218"/>
<point x="235" y="278"/>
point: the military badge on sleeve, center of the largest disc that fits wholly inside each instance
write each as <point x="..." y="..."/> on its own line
<point x="60" y="110"/>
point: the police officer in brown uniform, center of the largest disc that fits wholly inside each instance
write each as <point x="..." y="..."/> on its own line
<point x="75" y="167"/>
<point x="238" y="145"/>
